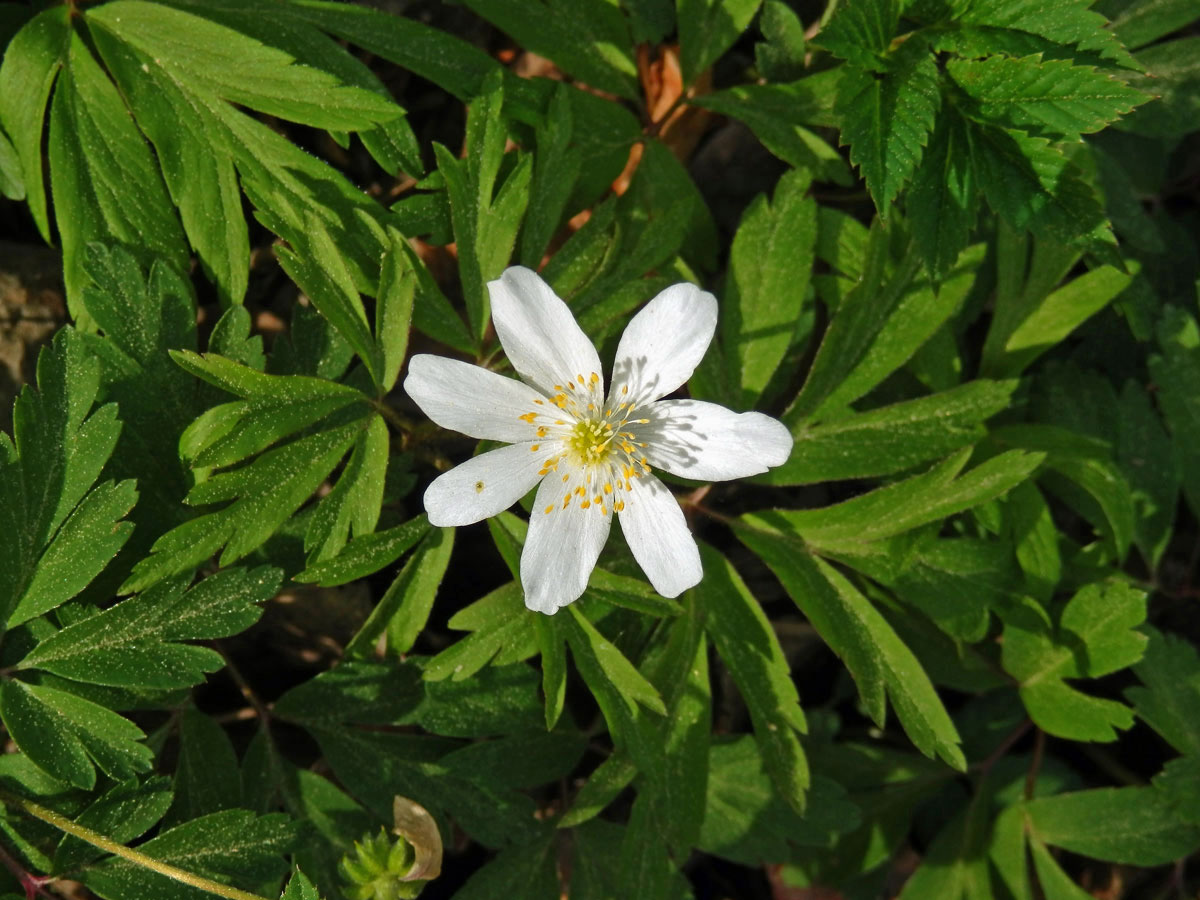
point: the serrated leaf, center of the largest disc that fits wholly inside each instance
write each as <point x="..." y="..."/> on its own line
<point x="136" y="643"/>
<point x="1053" y="97"/>
<point x="62" y="530"/>
<point x="206" y="775"/>
<point x="893" y="438"/>
<point x="861" y="31"/>
<point x="750" y="650"/>
<point x="1034" y="186"/>
<point x="1068" y="22"/>
<point x="299" y="888"/>
<point x="944" y="199"/>
<point x="355" y="501"/>
<point x="887" y="119"/>
<point x="881" y="664"/>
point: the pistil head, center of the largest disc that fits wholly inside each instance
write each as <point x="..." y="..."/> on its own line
<point x="589" y="441"/>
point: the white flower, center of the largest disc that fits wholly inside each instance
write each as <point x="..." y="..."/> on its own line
<point x="594" y="453"/>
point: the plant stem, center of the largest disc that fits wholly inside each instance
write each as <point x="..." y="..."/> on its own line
<point x="62" y="823"/>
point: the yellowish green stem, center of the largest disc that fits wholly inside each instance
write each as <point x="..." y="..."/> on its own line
<point x="62" y="823"/>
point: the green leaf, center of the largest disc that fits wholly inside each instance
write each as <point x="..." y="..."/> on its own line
<point x="750" y="651"/>
<point x="136" y="643"/>
<point x="747" y="822"/>
<point x="68" y="736"/>
<point x="905" y="505"/>
<point x="1142" y="21"/>
<point x="1053" y="97"/>
<point x="707" y="28"/>
<point x="32" y="61"/>
<point x="367" y="693"/>
<point x="12" y="183"/>
<point x="393" y="317"/>
<point x="1176" y="372"/>
<point x="887" y="118"/>
<point x="918" y="314"/>
<point x="1059" y="314"/>
<point x="213" y="60"/>
<point x="196" y="162"/>
<point x="782" y="116"/>
<point x="1170" y="700"/>
<point x="1035" y="186"/>
<point x="206" y="776"/>
<point x="1134" y="825"/>
<point x="502" y="632"/>
<point x="299" y="888"/>
<point x="524" y="872"/>
<point x="602" y="787"/>
<point x="105" y="182"/>
<point x="556" y="166"/>
<point x="893" y="438"/>
<point x="879" y="661"/>
<point x="1150" y="464"/>
<point x="633" y="687"/>
<point x="861" y="31"/>
<point x="588" y="39"/>
<point x="766" y="289"/>
<point x="1172" y="76"/>
<point x="780" y="56"/>
<point x="366" y="554"/>
<point x="1068" y="22"/>
<point x="404" y="609"/>
<point x="234" y="845"/>
<point x="1094" y="637"/>
<point x="122" y="813"/>
<point x="1083" y="474"/>
<point x="944" y="200"/>
<point x="61" y="530"/>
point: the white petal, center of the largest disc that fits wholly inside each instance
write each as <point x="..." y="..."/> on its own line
<point x="470" y="399"/>
<point x="539" y="335"/>
<point x="561" y="549"/>
<point x="663" y="344"/>
<point x="657" y="534"/>
<point x="483" y="486"/>
<point x="694" y="439"/>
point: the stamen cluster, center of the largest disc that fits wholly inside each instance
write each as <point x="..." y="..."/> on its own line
<point x="590" y="443"/>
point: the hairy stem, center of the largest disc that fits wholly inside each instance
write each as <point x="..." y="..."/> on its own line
<point x="62" y="823"/>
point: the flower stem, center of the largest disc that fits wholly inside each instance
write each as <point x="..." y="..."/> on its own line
<point x="62" y="823"/>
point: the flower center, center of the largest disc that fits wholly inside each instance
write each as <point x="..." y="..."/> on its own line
<point x="590" y="441"/>
<point x="591" y="445"/>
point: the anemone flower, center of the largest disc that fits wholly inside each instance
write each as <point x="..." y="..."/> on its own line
<point x="591" y="453"/>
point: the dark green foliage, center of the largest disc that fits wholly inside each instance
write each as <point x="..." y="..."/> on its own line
<point x="944" y="651"/>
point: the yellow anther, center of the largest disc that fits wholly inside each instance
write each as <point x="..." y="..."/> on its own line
<point x="586" y="504"/>
<point x="534" y="447"/>
<point x="528" y="417"/>
<point x="594" y="378"/>
<point x="607" y="487"/>
<point x="619" y="505"/>
<point x="549" y="509"/>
